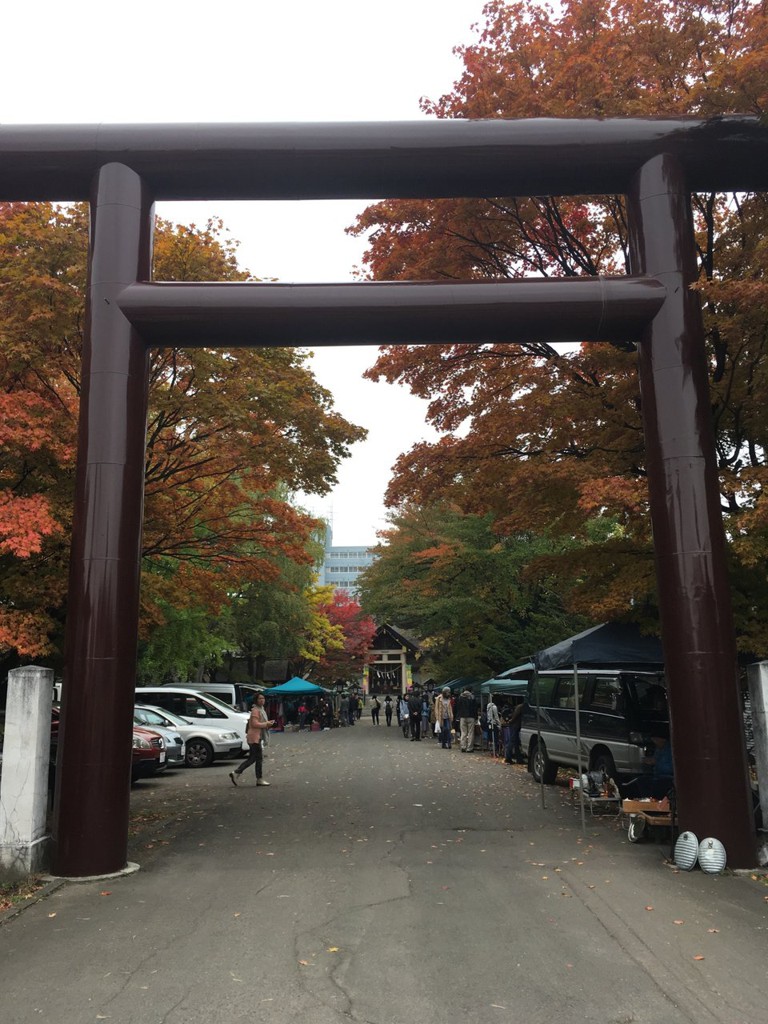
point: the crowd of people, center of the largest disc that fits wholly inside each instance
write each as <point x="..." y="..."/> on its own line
<point x="434" y="715"/>
<point x="450" y="720"/>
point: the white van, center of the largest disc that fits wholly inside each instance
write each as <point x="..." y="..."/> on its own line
<point x="240" y="695"/>
<point x="197" y="706"/>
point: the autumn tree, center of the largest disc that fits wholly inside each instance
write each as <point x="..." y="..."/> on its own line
<point x="551" y="441"/>
<point x="460" y="585"/>
<point x="356" y="630"/>
<point x="231" y="435"/>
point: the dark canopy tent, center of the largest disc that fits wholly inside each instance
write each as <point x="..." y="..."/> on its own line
<point x="612" y="645"/>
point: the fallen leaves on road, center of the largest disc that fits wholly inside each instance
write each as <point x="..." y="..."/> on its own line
<point x="698" y="957"/>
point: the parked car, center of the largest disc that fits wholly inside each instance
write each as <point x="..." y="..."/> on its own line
<point x="149" y="756"/>
<point x="203" y="743"/>
<point x="198" y="707"/>
<point x="618" y="713"/>
<point x="174" y="743"/>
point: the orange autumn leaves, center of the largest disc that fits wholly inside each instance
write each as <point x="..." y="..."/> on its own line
<point x="552" y="442"/>
<point x="230" y="436"/>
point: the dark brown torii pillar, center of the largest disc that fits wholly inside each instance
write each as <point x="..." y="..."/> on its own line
<point x="689" y="543"/>
<point x="92" y="794"/>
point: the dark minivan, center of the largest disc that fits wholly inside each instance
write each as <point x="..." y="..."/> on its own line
<point x="619" y="712"/>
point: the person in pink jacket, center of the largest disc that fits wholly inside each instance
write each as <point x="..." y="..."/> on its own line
<point x="258" y="724"/>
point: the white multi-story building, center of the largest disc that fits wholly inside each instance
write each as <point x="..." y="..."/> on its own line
<point x="342" y="565"/>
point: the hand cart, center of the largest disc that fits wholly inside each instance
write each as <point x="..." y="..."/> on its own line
<point x="645" y="814"/>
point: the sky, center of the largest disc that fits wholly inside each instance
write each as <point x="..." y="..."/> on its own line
<point x="295" y="60"/>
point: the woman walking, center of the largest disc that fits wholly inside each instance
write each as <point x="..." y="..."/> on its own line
<point x="258" y="724"/>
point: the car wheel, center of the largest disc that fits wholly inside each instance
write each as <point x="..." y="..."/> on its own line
<point x="199" y="754"/>
<point x="603" y="762"/>
<point x="542" y="769"/>
<point x="636" y="830"/>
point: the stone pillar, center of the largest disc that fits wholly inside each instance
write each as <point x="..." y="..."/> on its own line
<point x="24" y="783"/>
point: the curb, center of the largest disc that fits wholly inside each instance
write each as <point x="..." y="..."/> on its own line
<point x="54" y="883"/>
<point x="41" y="894"/>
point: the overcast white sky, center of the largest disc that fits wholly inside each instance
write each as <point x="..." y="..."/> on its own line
<point x="248" y="60"/>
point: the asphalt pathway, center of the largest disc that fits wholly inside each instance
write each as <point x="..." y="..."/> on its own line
<point x="385" y="882"/>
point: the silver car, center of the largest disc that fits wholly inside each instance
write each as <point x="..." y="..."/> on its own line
<point x="175" y="752"/>
<point x="204" y="743"/>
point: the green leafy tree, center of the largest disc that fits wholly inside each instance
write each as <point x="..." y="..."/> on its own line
<point x="465" y="590"/>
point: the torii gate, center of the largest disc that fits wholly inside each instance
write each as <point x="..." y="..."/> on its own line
<point x="123" y="169"/>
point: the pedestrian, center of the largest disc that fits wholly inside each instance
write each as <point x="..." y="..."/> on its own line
<point x="303" y="711"/>
<point x="375" y="706"/>
<point x="344" y="710"/>
<point x="494" y="727"/>
<point x="388" y="709"/>
<point x="414" y="711"/>
<point x="444" y="717"/>
<point x="404" y="716"/>
<point x="425" y="715"/>
<point x="466" y="709"/>
<point x="513" y="719"/>
<point x="255" y="734"/>
<point x="352" y="708"/>
<point x="326" y="714"/>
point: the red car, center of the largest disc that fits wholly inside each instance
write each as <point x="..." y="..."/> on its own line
<point x="148" y="756"/>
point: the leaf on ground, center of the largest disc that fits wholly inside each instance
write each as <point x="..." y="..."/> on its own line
<point x="678" y="922"/>
<point x="698" y="957"/>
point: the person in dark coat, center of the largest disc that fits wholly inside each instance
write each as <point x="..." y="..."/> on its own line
<point x="467" y="709"/>
<point x="414" y="709"/>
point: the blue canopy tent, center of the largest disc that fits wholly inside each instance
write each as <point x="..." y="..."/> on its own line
<point x="505" y="687"/>
<point x="296" y="687"/>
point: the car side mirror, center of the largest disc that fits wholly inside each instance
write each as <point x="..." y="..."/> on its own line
<point x="200" y="712"/>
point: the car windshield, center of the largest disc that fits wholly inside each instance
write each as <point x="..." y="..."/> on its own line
<point x="167" y="716"/>
<point x="148" y="717"/>
<point x="219" y="703"/>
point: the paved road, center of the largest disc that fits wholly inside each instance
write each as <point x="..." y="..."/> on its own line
<point x="385" y="882"/>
